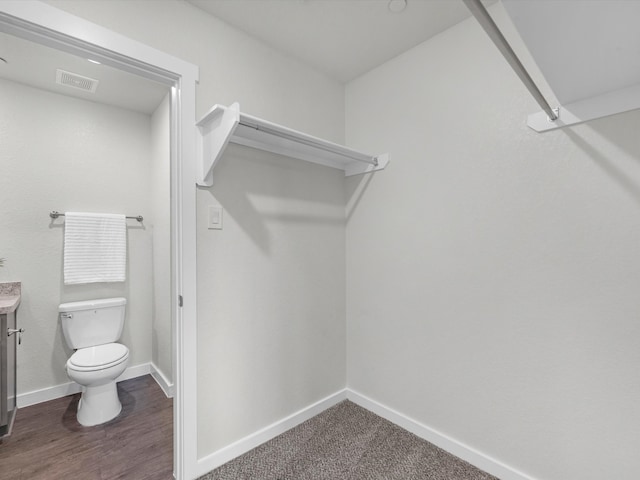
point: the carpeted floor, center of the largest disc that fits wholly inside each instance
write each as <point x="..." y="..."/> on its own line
<point x="347" y="442"/>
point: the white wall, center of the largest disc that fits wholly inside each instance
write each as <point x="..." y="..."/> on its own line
<point x="492" y="272"/>
<point x="272" y="292"/>
<point x="160" y="206"/>
<point x="271" y="284"/>
<point x="65" y="154"/>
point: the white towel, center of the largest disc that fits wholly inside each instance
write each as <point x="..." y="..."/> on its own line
<point x="95" y="247"/>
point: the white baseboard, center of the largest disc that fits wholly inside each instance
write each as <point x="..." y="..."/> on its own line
<point x="459" y="449"/>
<point x="135" y="371"/>
<point x="162" y="381"/>
<point x="45" y="394"/>
<point x="222" y="456"/>
<point x="58" y="391"/>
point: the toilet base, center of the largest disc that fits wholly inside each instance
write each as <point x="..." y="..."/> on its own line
<point x="98" y="404"/>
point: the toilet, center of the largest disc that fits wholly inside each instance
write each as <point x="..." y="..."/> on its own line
<point x="91" y="328"/>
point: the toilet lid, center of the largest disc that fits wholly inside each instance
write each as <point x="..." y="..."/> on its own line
<point x="98" y="356"/>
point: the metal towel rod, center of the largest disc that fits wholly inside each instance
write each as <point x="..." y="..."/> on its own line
<point x="55" y="214"/>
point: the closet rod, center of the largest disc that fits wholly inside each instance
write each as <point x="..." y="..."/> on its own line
<point x="309" y="142"/>
<point x="55" y="214"/>
<point x="489" y="26"/>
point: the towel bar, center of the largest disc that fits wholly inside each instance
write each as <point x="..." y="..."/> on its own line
<point x="55" y="214"/>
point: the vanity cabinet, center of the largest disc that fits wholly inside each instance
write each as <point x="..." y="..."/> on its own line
<point x="7" y="371"/>
<point x="9" y="334"/>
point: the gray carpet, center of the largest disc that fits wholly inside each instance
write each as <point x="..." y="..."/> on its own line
<point x="347" y="442"/>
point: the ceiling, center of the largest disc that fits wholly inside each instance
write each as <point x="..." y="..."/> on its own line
<point x="342" y="38"/>
<point x="35" y="65"/>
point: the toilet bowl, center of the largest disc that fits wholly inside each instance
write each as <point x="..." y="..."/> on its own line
<point x="96" y="369"/>
<point x="91" y="328"/>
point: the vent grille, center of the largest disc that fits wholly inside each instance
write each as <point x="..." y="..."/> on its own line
<point x="74" y="80"/>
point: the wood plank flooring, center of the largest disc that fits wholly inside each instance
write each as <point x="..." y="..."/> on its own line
<point x="48" y="442"/>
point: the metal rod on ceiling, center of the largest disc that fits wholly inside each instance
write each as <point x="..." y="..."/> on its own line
<point x="486" y="22"/>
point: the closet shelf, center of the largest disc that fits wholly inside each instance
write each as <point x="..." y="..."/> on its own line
<point x="222" y="125"/>
<point x="587" y="55"/>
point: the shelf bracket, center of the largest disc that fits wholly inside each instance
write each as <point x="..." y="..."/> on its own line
<point x="380" y="162"/>
<point x="216" y="129"/>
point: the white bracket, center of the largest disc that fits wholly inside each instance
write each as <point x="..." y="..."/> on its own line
<point x="358" y="168"/>
<point x="216" y="129"/>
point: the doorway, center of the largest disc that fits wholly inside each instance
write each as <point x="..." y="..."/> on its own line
<point x="43" y="24"/>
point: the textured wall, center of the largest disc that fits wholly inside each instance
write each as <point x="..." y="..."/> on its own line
<point x="60" y="153"/>
<point x="492" y="272"/>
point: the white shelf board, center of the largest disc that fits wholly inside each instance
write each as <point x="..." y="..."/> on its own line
<point x="222" y="125"/>
<point x="592" y="108"/>
<point x="587" y="53"/>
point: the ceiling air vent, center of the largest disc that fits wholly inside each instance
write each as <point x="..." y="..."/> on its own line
<point x="74" y="80"/>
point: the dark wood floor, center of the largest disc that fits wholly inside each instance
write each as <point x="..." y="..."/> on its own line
<point x="48" y="442"/>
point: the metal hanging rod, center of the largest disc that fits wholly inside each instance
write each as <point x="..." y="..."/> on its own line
<point x="337" y="149"/>
<point x="489" y="26"/>
<point x="55" y="214"/>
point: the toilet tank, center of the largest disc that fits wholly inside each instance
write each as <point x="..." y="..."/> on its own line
<point x="92" y="322"/>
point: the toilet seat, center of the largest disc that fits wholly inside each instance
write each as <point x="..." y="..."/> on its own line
<point x="98" y="357"/>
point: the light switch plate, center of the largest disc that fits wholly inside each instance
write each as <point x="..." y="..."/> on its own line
<point x="215" y="217"/>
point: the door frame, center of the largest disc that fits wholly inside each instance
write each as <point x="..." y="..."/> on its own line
<point x="42" y="23"/>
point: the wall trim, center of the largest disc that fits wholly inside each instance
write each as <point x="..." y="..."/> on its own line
<point x="225" y="454"/>
<point x="58" y="391"/>
<point x="161" y="380"/>
<point x="451" y="445"/>
<point x="45" y="394"/>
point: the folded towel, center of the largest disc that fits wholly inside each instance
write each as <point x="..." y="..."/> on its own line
<point x="95" y="247"/>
